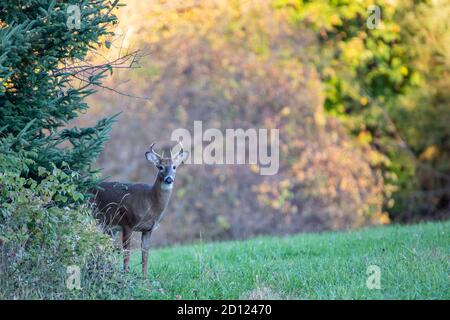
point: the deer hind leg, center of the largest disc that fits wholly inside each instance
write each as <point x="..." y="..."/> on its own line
<point x="145" y="246"/>
<point x="126" y="242"/>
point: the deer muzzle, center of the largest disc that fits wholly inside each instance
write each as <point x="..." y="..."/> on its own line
<point x="168" y="180"/>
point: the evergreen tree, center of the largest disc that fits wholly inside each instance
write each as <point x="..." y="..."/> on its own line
<point x="45" y="225"/>
<point x="42" y="43"/>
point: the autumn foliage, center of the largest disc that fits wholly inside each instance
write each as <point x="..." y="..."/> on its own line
<point x="236" y="65"/>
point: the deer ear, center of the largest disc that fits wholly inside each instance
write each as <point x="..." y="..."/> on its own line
<point x="181" y="158"/>
<point x="153" y="158"/>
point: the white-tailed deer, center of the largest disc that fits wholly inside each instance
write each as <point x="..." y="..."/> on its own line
<point x="138" y="207"/>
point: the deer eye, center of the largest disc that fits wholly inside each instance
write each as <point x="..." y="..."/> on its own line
<point x="174" y="167"/>
<point x="160" y="168"/>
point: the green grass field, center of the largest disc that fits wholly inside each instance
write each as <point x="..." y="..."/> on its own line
<point x="413" y="262"/>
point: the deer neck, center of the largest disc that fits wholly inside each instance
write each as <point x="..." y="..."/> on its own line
<point x="160" y="196"/>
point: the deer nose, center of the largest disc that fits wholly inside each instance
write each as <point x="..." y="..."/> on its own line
<point x="168" y="180"/>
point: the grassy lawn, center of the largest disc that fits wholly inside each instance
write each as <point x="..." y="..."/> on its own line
<point x="413" y="260"/>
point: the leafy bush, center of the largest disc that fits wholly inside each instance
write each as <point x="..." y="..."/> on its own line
<point x="43" y="231"/>
<point x="387" y="85"/>
<point x="45" y="166"/>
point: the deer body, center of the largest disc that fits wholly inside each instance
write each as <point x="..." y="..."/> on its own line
<point x="138" y="207"/>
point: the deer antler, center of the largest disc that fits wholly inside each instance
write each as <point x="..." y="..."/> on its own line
<point x="154" y="152"/>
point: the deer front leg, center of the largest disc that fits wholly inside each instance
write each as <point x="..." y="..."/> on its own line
<point x="145" y="246"/>
<point x="126" y="239"/>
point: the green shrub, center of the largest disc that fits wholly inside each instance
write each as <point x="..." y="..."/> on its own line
<point x="45" y="166"/>
<point x="389" y="86"/>
<point x="43" y="232"/>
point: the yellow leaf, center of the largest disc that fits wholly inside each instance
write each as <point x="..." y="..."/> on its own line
<point x="404" y="71"/>
<point x="384" y="218"/>
<point x="429" y="153"/>
<point x="364" y="137"/>
<point x="285" y="111"/>
<point x="364" y="101"/>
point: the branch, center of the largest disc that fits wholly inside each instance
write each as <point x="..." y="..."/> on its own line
<point x="121" y="62"/>
<point x="112" y="89"/>
<point x="85" y="72"/>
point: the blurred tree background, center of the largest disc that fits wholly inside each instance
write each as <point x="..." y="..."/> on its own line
<point x="363" y="113"/>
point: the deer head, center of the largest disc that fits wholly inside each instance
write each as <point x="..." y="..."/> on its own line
<point x="167" y="167"/>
